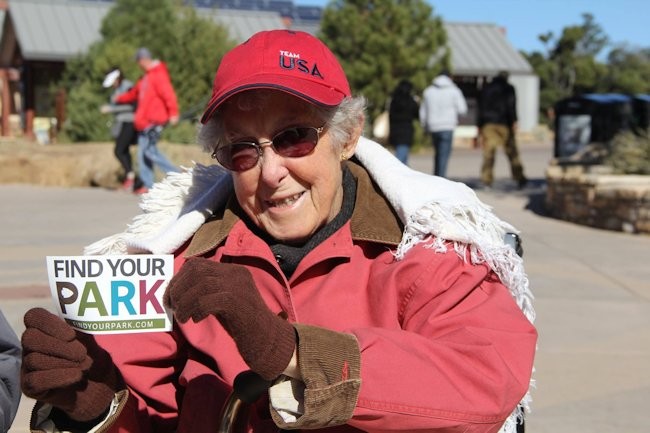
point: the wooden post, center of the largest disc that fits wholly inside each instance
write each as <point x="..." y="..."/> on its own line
<point x="6" y="102"/>
<point x="5" y="129"/>
<point x="60" y="102"/>
<point x="29" y="101"/>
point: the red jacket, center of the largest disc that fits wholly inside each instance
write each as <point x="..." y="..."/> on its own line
<point x="442" y="345"/>
<point x="155" y="98"/>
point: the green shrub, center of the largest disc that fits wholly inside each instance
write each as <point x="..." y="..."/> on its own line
<point x="630" y="153"/>
<point x="181" y="133"/>
<point x="84" y="122"/>
<point x="190" y="45"/>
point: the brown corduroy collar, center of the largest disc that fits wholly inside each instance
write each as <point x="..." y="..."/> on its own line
<point x="373" y="218"/>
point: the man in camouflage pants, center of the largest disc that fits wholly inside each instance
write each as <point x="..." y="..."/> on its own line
<point x="497" y="123"/>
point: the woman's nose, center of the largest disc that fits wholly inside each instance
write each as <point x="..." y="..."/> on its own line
<point x="273" y="168"/>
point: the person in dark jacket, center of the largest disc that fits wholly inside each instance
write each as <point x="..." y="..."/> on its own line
<point x="402" y="112"/>
<point x="497" y="122"/>
<point x="10" y="360"/>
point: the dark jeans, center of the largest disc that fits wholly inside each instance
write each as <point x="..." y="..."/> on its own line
<point x="125" y="138"/>
<point x="442" y="141"/>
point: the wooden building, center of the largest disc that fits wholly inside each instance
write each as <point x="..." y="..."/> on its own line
<point x="38" y="36"/>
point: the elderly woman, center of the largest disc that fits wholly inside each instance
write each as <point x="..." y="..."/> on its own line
<point x="293" y="262"/>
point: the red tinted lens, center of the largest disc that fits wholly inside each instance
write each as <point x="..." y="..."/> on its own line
<point x="238" y="156"/>
<point x="296" y="142"/>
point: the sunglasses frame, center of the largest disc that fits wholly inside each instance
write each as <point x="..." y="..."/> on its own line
<point x="259" y="148"/>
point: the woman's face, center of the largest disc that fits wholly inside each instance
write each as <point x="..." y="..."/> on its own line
<point x="289" y="198"/>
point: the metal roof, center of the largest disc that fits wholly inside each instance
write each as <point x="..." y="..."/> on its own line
<point x="243" y="24"/>
<point x="46" y="30"/>
<point x="57" y="30"/>
<point x="483" y="49"/>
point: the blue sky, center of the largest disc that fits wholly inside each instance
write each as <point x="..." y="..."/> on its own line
<point x="623" y="21"/>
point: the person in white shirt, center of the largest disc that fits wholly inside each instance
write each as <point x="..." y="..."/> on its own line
<point x="442" y="103"/>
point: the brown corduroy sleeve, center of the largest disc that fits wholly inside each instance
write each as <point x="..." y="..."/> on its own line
<point x="330" y="364"/>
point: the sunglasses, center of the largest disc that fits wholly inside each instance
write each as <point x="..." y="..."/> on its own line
<point x="292" y="143"/>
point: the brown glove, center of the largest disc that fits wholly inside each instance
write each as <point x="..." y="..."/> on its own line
<point x="203" y="287"/>
<point x="65" y="368"/>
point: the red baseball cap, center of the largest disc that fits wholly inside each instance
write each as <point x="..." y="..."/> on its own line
<point x="291" y="61"/>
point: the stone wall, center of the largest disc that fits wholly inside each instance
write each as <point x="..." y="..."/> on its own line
<point x="79" y="164"/>
<point x="593" y="196"/>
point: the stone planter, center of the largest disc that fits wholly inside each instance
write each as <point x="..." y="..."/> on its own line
<point x="593" y="196"/>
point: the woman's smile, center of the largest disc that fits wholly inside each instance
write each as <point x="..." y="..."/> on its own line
<point x="284" y="203"/>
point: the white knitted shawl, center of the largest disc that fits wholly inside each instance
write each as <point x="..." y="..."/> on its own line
<point x="433" y="209"/>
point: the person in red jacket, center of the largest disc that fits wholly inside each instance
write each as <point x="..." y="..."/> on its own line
<point x="156" y="106"/>
<point x="369" y="296"/>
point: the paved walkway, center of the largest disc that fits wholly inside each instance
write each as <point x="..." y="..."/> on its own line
<point x="592" y="288"/>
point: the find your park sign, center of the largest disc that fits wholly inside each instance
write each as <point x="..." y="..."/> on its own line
<point x="112" y="294"/>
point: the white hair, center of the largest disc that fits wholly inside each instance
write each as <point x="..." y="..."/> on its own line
<point x="341" y="121"/>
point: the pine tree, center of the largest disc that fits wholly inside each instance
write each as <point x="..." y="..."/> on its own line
<point x="380" y="42"/>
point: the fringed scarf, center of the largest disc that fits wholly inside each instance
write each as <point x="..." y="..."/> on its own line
<point x="434" y="210"/>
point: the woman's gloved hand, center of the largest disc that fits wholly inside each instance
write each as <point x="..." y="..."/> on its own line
<point x="203" y="287"/>
<point x="66" y="368"/>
